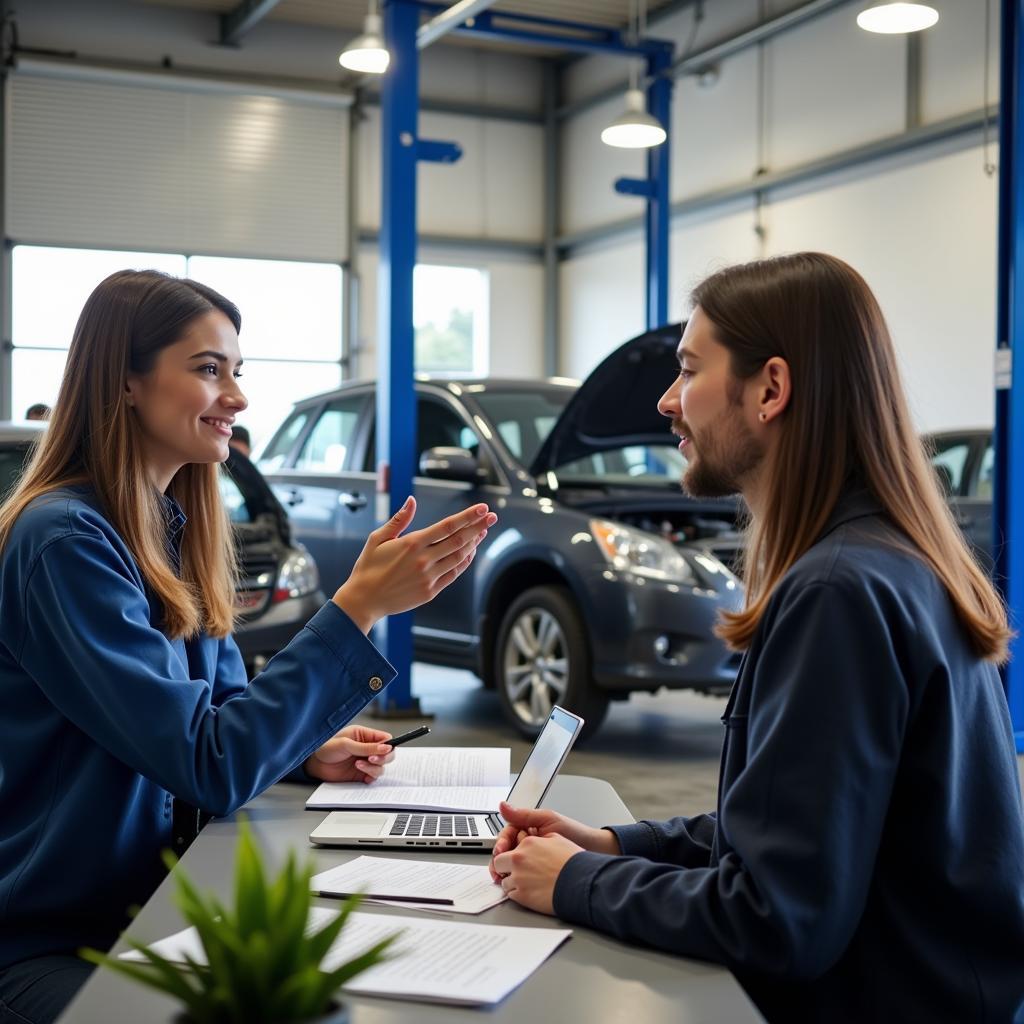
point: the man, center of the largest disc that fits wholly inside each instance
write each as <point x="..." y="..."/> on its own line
<point x="866" y="860"/>
<point x="39" y="411"/>
<point x="240" y="440"/>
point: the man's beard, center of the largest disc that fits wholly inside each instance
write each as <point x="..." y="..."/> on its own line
<point x="726" y="453"/>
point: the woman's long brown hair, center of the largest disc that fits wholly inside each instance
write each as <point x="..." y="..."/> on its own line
<point x="93" y="438"/>
<point x="847" y="422"/>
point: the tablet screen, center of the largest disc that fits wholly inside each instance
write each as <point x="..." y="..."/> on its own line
<point x="549" y="751"/>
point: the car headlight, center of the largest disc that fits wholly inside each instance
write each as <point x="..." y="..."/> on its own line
<point x="642" y="553"/>
<point x="298" y="575"/>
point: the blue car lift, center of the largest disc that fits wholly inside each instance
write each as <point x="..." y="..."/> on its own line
<point x="401" y="149"/>
<point x="1008" y="495"/>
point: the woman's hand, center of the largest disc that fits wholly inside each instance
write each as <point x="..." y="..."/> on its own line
<point x="522" y="824"/>
<point x="356" y="754"/>
<point x="395" y="574"/>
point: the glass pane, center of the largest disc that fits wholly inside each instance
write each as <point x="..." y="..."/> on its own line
<point x="35" y="377"/>
<point x="277" y="451"/>
<point x="949" y="460"/>
<point x="523" y="419"/>
<point x="986" y="473"/>
<point x="328" y="443"/>
<point x="450" y="314"/>
<point x="273" y="387"/>
<point x="234" y="500"/>
<point x="50" y="287"/>
<point x="288" y="309"/>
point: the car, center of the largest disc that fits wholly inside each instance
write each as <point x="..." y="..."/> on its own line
<point x="600" y="578"/>
<point x="965" y="462"/>
<point x="278" y="589"/>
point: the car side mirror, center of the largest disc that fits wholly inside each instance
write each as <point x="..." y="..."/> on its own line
<point x="450" y="464"/>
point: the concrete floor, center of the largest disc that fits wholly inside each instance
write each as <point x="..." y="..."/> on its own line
<point x="660" y="752"/>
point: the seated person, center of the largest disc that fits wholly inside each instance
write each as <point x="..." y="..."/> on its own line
<point x="125" y="715"/>
<point x="866" y="860"/>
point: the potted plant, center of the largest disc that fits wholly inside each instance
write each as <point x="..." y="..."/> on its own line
<point x="262" y="966"/>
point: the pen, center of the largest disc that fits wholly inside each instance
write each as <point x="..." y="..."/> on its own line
<point x="394" y="899"/>
<point x="413" y="734"/>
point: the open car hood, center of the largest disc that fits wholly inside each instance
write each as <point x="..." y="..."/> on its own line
<point x="617" y="404"/>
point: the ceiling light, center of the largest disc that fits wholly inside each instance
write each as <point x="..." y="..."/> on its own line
<point x="635" y="129"/>
<point x="893" y="18"/>
<point x="366" y="53"/>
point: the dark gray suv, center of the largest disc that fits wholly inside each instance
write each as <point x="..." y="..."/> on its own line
<point x="600" y="577"/>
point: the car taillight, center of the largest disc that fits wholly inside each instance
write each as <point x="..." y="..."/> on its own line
<point x="298" y="576"/>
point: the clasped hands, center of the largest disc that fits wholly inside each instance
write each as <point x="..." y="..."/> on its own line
<point x="532" y="849"/>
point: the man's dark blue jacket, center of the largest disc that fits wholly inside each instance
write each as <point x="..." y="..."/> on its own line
<point x="104" y="722"/>
<point x="866" y="862"/>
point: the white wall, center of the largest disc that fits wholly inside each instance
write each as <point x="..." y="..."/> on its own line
<point x="920" y="227"/>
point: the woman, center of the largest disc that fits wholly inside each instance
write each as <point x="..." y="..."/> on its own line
<point x="866" y="861"/>
<point x="124" y="709"/>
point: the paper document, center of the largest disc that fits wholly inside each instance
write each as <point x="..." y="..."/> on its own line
<point x="433" y="961"/>
<point x="469" y="779"/>
<point x="468" y="886"/>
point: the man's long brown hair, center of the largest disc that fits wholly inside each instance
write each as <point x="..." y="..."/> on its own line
<point x="847" y="423"/>
<point x="93" y="438"/>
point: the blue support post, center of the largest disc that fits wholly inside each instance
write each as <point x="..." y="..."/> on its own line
<point x="396" y="399"/>
<point x="659" y="104"/>
<point x="401" y="148"/>
<point x="1008" y="493"/>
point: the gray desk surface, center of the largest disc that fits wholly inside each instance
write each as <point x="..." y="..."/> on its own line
<point x="591" y="978"/>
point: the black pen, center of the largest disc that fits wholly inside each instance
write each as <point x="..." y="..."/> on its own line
<point x="434" y="900"/>
<point x="413" y="734"/>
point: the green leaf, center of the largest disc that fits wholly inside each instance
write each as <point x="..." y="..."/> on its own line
<point x="250" y="885"/>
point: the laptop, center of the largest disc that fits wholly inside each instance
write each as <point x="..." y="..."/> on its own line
<point x="410" y="830"/>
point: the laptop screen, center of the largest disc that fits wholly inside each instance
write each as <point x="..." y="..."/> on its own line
<point x="549" y="751"/>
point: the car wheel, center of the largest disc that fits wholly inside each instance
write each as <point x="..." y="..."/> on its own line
<point x="542" y="658"/>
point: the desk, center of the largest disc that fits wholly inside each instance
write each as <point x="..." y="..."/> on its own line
<point x="591" y="978"/>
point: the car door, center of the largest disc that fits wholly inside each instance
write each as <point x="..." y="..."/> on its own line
<point x="447" y="621"/>
<point x="975" y="508"/>
<point x="329" y="505"/>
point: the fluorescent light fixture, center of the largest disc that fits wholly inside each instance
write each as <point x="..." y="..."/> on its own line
<point x="896" y="18"/>
<point x="366" y="53"/>
<point x="635" y="129"/>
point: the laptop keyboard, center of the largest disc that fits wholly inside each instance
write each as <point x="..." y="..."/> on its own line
<point x="454" y="826"/>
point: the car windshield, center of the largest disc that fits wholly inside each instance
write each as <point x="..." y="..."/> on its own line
<point x="523" y="420"/>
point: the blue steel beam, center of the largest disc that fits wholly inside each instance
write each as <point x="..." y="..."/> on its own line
<point x="396" y="400"/>
<point x="1008" y="491"/>
<point x="656" y="220"/>
<point x="508" y="26"/>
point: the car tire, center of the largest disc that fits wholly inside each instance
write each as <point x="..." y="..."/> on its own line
<point x="542" y="658"/>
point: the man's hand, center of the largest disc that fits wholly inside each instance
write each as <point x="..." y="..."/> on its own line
<point x="529" y="872"/>
<point x="356" y="754"/>
<point x="398" y="571"/>
<point x="522" y="823"/>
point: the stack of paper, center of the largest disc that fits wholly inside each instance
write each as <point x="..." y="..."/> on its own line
<point x="467" y="779"/>
<point x="434" y="960"/>
<point x="468" y="886"/>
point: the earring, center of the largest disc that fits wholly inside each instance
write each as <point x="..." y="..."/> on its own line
<point x="761" y="416"/>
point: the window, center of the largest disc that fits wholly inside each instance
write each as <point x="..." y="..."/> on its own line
<point x="280" y="446"/>
<point x="49" y="288"/>
<point x="450" y="315"/>
<point x="986" y="473"/>
<point x="291" y="321"/>
<point x="328" y="444"/>
<point x="949" y="459"/>
<point x="234" y="500"/>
